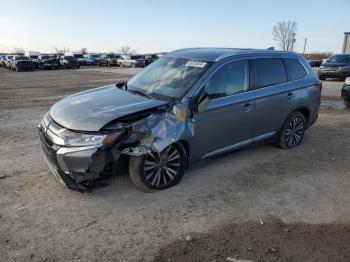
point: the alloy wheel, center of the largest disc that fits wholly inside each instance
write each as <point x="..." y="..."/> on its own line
<point x="295" y="131"/>
<point x="162" y="169"/>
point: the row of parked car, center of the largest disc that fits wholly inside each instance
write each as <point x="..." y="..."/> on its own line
<point x="21" y="62"/>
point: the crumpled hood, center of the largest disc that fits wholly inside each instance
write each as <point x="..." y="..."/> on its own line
<point x="91" y="110"/>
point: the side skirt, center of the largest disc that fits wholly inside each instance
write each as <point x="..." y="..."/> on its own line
<point x="241" y="144"/>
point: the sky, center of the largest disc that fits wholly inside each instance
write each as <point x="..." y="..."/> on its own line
<point x="156" y="25"/>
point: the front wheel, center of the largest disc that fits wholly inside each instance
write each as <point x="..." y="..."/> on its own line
<point x="154" y="171"/>
<point x="293" y="131"/>
<point x="347" y="102"/>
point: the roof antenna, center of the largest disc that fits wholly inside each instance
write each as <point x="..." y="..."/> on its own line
<point x="271" y="48"/>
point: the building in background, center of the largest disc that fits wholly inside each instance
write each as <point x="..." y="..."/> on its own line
<point x="346" y="45"/>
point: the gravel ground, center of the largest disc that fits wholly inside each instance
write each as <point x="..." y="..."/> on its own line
<point x="42" y="221"/>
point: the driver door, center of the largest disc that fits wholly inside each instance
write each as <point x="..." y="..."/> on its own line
<point x="227" y="122"/>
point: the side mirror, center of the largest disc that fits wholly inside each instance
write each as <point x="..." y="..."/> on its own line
<point x="121" y="85"/>
<point x="203" y="102"/>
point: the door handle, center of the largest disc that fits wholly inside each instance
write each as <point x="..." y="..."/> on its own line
<point x="290" y="95"/>
<point x="247" y="107"/>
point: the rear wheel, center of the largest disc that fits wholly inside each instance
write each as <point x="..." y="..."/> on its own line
<point x="293" y="131"/>
<point x="322" y="78"/>
<point x="155" y="172"/>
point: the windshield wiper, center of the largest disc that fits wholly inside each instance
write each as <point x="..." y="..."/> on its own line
<point x="137" y="92"/>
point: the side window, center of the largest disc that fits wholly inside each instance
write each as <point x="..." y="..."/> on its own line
<point x="270" y="71"/>
<point x="295" y="69"/>
<point x="230" y="79"/>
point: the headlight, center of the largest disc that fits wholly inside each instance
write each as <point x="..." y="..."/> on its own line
<point x="80" y="139"/>
<point x="347" y="81"/>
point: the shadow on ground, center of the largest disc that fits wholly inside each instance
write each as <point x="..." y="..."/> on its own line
<point x="266" y="240"/>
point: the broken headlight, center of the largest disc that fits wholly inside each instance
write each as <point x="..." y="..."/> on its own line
<point x="81" y="139"/>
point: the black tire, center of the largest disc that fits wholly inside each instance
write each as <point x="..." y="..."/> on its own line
<point x="152" y="173"/>
<point x="322" y="78"/>
<point x="293" y="131"/>
<point x="347" y="103"/>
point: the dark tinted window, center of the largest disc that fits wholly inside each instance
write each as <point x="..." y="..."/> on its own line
<point x="230" y="79"/>
<point x="271" y="71"/>
<point x="295" y="69"/>
<point x="339" y="59"/>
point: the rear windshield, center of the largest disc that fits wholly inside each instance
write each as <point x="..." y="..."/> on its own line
<point x="339" y="59"/>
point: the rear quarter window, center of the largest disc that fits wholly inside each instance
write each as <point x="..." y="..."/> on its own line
<point x="295" y="69"/>
<point x="270" y="71"/>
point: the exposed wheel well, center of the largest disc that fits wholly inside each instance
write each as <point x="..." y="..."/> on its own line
<point x="306" y="114"/>
<point x="186" y="146"/>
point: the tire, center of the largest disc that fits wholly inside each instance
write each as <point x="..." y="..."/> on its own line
<point x="133" y="65"/>
<point x="293" y="131"/>
<point x="121" y="65"/>
<point x="322" y="78"/>
<point x="347" y="103"/>
<point x="150" y="173"/>
<point x="108" y="65"/>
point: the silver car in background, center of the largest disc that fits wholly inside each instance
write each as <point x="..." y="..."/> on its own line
<point x="188" y="105"/>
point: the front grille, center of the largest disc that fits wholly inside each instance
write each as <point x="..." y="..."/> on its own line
<point x="25" y="63"/>
<point x="52" y="130"/>
<point x="48" y="149"/>
<point x="330" y="68"/>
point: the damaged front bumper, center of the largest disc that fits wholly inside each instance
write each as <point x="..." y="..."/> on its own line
<point x="77" y="167"/>
<point x="70" y="164"/>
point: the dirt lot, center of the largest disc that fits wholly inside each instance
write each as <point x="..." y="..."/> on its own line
<point x="219" y="202"/>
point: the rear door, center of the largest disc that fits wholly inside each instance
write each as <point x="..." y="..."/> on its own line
<point x="275" y="96"/>
<point x="228" y="119"/>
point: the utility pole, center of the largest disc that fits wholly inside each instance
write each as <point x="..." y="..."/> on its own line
<point x="305" y="41"/>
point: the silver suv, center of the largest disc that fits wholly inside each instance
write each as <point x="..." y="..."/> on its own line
<point x="188" y="105"/>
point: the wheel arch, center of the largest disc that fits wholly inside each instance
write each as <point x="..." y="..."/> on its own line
<point x="187" y="149"/>
<point x="306" y="113"/>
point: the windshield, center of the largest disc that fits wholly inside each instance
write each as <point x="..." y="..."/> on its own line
<point x="78" y="55"/>
<point x="112" y="56"/>
<point x="69" y="58"/>
<point x="339" y="59"/>
<point x="21" y="58"/>
<point x="137" y="57"/>
<point x="34" y="56"/>
<point x="168" y="78"/>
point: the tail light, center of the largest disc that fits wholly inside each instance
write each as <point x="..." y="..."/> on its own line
<point x="318" y="85"/>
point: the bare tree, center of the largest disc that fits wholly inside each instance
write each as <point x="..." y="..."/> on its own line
<point x="126" y="50"/>
<point x="84" y="50"/>
<point x="61" y="50"/>
<point x="284" y="34"/>
<point x="18" y="50"/>
<point x="305" y="42"/>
